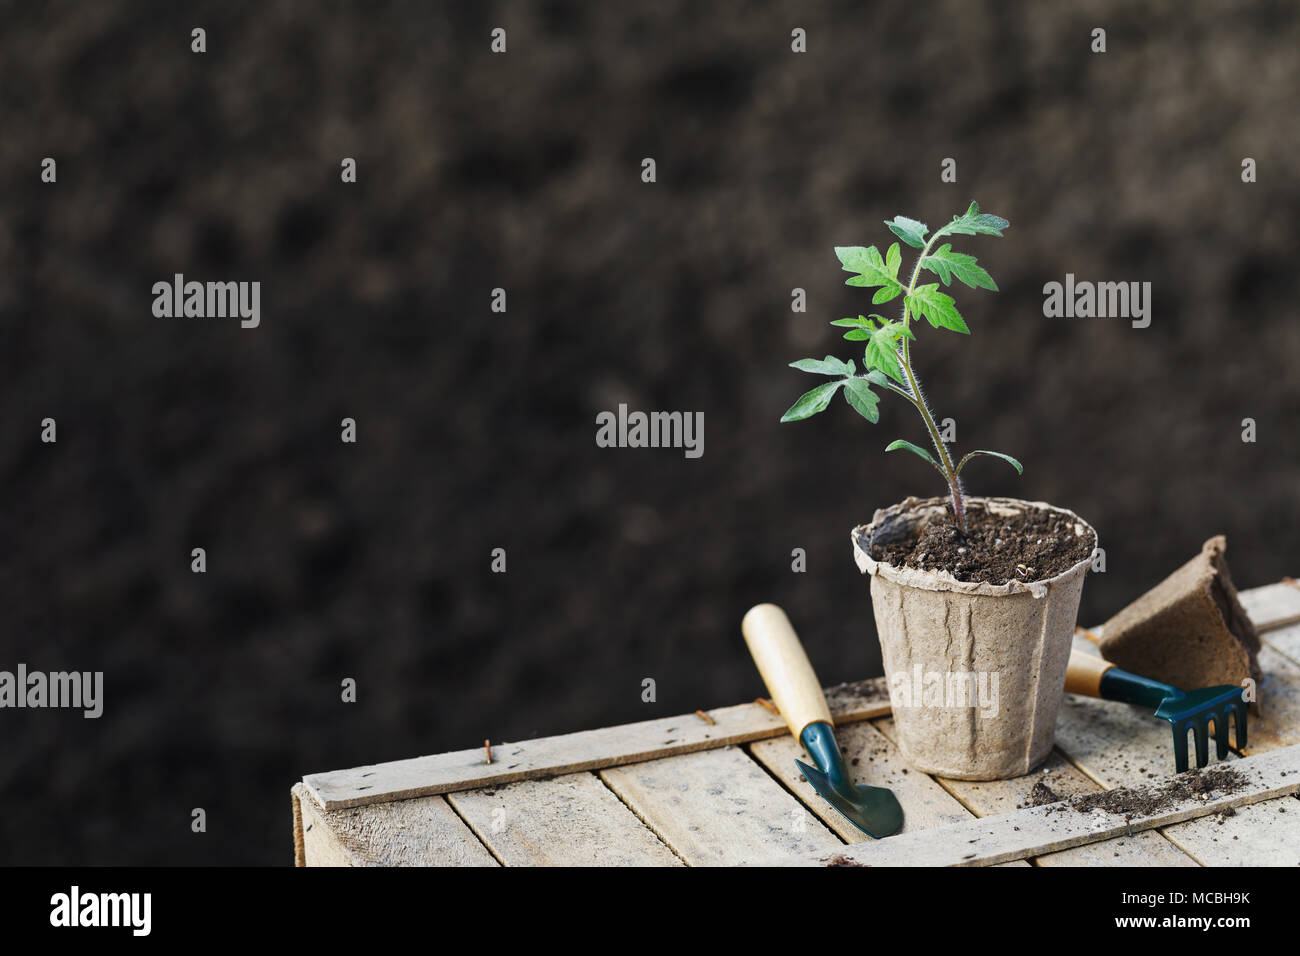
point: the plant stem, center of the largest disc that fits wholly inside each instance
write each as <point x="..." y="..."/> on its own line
<point x="917" y="399"/>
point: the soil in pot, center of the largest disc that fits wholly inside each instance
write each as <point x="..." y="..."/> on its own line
<point x="1031" y="545"/>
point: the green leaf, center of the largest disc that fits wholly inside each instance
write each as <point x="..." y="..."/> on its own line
<point x="827" y="366"/>
<point x="976" y="223"/>
<point x="914" y="449"/>
<point x="893" y="259"/>
<point x="812" y="401"/>
<point x="869" y="270"/>
<point x="937" y="307"/>
<point x="862" y="328"/>
<point x="875" y="377"/>
<point x="945" y="263"/>
<point x="882" y="349"/>
<point x="996" y="454"/>
<point x="909" y="230"/>
<point x="861" y="322"/>
<point x="864" y="401"/>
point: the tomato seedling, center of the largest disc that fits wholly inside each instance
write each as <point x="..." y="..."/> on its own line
<point x="887" y="362"/>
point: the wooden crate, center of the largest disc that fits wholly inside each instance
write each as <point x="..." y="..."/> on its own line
<point x="721" y="789"/>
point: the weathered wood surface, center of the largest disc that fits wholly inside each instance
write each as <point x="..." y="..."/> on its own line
<point x="1058" y="826"/>
<point x="1262" y="834"/>
<point x="420" y="832"/>
<point x="871" y="758"/>
<point x="672" y="791"/>
<point x="587" y="750"/>
<point x="1273" y="605"/>
<point x="719" y="808"/>
<point x="987" y="798"/>
<point x="1275" y="611"/>
<point x="1284" y="641"/>
<point x="573" y="820"/>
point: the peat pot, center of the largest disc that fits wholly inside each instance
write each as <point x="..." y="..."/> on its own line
<point x="975" y="671"/>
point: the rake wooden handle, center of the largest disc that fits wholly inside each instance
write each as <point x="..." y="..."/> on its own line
<point x="786" y="670"/>
<point x="1084" y="672"/>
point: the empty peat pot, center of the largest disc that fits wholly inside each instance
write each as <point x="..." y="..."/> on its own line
<point x="975" y="671"/>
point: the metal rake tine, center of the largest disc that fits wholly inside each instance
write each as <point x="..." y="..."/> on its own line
<point x="1180" y="746"/>
<point x="1220" y="719"/>
<point x="1201" y="732"/>
<point x="1238" y="708"/>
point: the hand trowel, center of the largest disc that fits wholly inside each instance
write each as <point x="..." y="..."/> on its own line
<point x="798" y="696"/>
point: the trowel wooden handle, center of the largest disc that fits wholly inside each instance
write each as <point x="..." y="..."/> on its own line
<point x="1084" y="672"/>
<point x="785" y="668"/>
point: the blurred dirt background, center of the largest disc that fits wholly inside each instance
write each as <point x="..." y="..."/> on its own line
<point x="476" y="431"/>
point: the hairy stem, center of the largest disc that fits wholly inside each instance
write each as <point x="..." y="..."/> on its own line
<point x="918" y="399"/>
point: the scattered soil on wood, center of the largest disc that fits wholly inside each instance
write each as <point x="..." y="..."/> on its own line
<point x="1033" y="545"/>
<point x="1148" y="801"/>
<point x="1042" y="795"/>
<point x="859" y="693"/>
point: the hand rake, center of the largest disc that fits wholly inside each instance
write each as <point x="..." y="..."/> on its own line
<point x="1193" y="710"/>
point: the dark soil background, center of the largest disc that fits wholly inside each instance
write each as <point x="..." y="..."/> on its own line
<point x="476" y="431"/>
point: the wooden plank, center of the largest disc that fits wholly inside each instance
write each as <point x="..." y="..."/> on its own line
<point x="1263" y="834"/>
<point x="719" y="808"/>
<point x="320" y="845"/>
<point x="1278" y="721"/>
<point x="1273" y="605"/>
<point x="872" y="759"/>
<point x="1144" y="848"/>
<point x="1058" y="826"/>
<point x="991" y="797"/>
<point x="420" y="832"/>
<point x="1275" y="611"/>
<point x="295" y="805"/>
<point x="1284" y="641"/>
<point x="587" y="750"/>
<point x="574" y="820"/>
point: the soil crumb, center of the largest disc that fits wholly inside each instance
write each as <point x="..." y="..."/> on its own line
<point x="1148" y="801"/>
<point x="1033" y="545"/>
<point x="841" y="860"/>
<point x="1042" y="795"/>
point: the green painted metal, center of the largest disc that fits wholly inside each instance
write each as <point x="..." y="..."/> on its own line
<point x="1185" y="710"/>
<point x="873" y="810"/>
